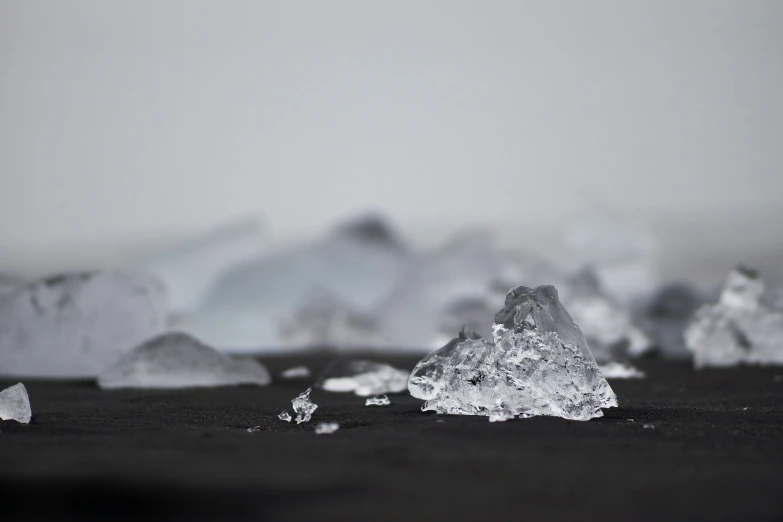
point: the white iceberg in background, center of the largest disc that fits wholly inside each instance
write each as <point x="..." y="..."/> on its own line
<point x="74" y="325"/>
<point x="359" y="263"/>
<point x="606" y="324"/>
<point x="190" y="268"/>
<point x="15" y="404"/>
<point x="364" y="378"/>
<point x="539" y="363"/>
<point x="324" y="321"/>
<point x="177" y="360"/>
<point x="742" y="327"/>
<point x="326" y="428"/>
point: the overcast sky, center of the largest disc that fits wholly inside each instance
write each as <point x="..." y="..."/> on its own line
<point x="125" y="122"/>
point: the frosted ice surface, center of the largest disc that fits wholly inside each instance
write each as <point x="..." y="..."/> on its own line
<point x="618" y="370"/>
<point x="177" y="360"/>
<point x="665" y="315"/>
<point x="284" y="416"/>
<point x="303" y="407"/>
<point x="189" y="269"/>
<point x="606" y="323"/>
<point x="15" y="404"/>
<point x="378" y="400"/>
<point x="359" y="263"/>
<point x="539" y="363"/>
<point x="740" y="328"/>
<point x="326" y="428"/>
<point x="297" y="372"/>
<point x="74" y="325"/>
<point x="364" y="378"/>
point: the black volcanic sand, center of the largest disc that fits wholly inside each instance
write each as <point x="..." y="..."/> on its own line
<point x="715" y="453"/>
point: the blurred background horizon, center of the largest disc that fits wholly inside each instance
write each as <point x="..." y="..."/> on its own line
<point x="130" y="126"/>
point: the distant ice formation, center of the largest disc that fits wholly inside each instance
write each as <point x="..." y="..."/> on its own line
<point x="15" y="404"/>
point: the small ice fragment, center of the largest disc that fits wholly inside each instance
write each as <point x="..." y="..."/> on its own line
<point x="378" y="400"/>
<point x="15" y="404"/>
<point x="297" y="372"/>
<point x="629" y="420"/>
<point x="326" y="428"/>
<point x="303" y="407"/>
<point x="364" y="378"/>
<point x="500" y="414"/>
<point x="284" y="416"/>
<point x="649" y="426"/>
<point x="254" y="429"/>
<point x="618" y="370"/>
<point x="177" y="360"/>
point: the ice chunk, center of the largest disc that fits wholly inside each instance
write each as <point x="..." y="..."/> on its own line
<point x="378" y="400"/>
<point x="297" y="372"/>
<point x="618" y="370"/>
<point x="15" y="404"/>
<point x="284" y="416"/>
<point x="665" y="316"/>
<point x="326" y="428"/>
<point x="740" y="328"/>
<point x="606" y="324"/>
<point x="177" y="360"/>
<point x="303" y="407"/>
<point x="191" y="267"/>
<point x="74" y="325"/>
<point x="324" y="321"/>
<point x="364" y="378"/>
<point x="538" y="364"/>
<point x="255" y="429"/>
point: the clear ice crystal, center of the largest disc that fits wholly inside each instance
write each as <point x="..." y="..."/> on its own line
<point x="378" y="400"/>
<point x="284" y="416"/>
<point x="539" y="363"/>
<point x="619" y="370"/>
<point x="177" y="360"/>
<point x="297" y="372"/>
<point x="742" y="327"/>
<point x="303" y="407"/>
<point x="15" y="404"/>
<point x="326" y="428"/>
<point x="364" y="378"/>
<point x="74" y="325"/>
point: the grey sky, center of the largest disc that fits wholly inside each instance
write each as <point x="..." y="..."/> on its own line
<point x="127" y="122"/>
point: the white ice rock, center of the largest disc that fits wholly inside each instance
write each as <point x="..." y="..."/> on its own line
<point x="363" y="378"/>
<point x="15" y="404"/>
<point x="297" y="372"/>
<point x="304" y="407"/>
<point x="284" y="416"/>
<point x="742" y="327"/>
<point x="326" y="428"/>
<point x="177" y="360"/>
<point x="360" y="262"/>
<point x="74" y="325"/>
<point x="190" y="268"/>
<point x="538" y="364"/>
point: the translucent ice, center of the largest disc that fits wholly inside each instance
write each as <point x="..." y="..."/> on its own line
<point x="303" y="407"/>
<point x="538" y="364"/>
<point x="297" y="372"/>
<point x="326" y="428"/>
<point x="618" y="370"/>
<point x="740" y="328"/>
<point x="177" y="360"/>
<point x="284" y="416"/>
<point x="378" y="400"/>
<point x="15" y="404"/>
<point x="74" y="325"/>
<point x="364" y="378"/>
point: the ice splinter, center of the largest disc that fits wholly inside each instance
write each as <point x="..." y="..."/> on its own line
<point x="303" y="407"/>
<point x="378" y="400"/>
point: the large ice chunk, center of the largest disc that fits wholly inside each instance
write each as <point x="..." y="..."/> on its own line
<point x="364" y="378"/>
<point x="742" y="327"/>
<point x="74" y="325"/>
<point x="15" y="404"/>
<point x="177" y="360"/>
<point x="538" y="364"/>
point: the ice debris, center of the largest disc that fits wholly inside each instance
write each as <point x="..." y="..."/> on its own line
<point x="364" y="378"/>
<point x="378" y="400"/>
<point x="326" y="428"/>
<point x="15" y="404"/>
<point x="619" y="370"/>
<point x="742" y="327"/>
<point x="538" y="364"/>
<point x="303" y="407"/>
<point x="284" y="416"/>
<point x="297" y="372"/>
<point x="177" y="360"/>
<point x="74" y="325"/>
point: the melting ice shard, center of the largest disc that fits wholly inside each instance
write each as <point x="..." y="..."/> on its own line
<point x="538" y="364"/>
<point x="15" y="404"/>
<point x="284" y="416"/>
<point x="177" y="360"/>
<point x="326" y="428"/>
<point x="742" y="327"/>
<point x="378" y="400"/>
<point x="74" y="325"/>
<point x="303" y="407"/>
<point x="364" y="378"/>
